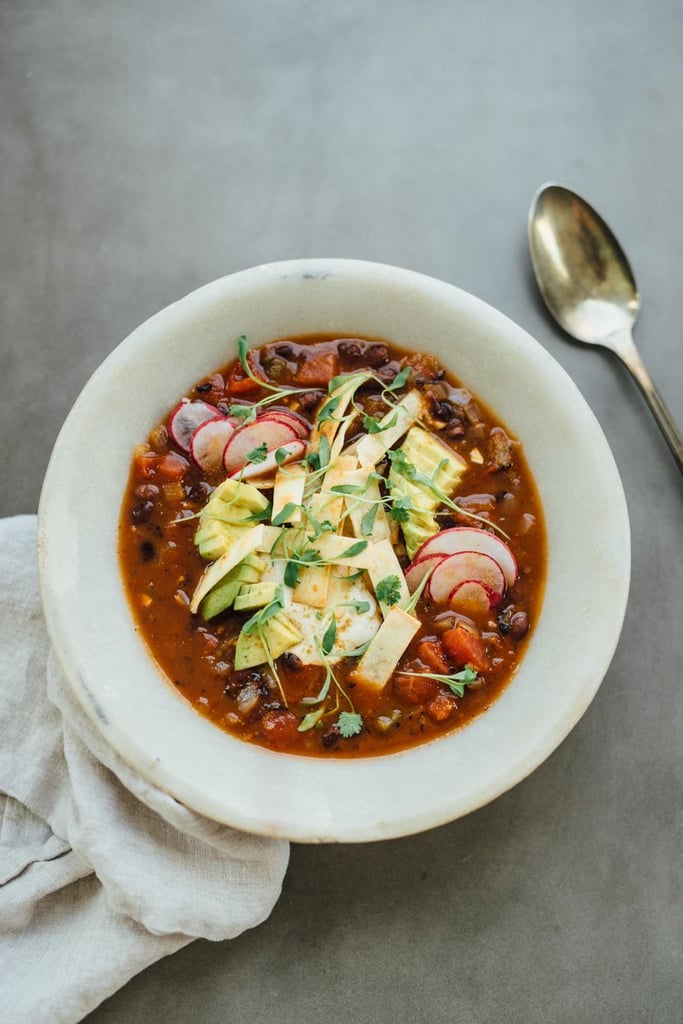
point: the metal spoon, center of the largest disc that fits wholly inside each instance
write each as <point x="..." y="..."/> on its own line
<point x="589" y="288"/>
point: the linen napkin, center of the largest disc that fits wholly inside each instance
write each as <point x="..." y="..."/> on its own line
<point x="101" y="874"/>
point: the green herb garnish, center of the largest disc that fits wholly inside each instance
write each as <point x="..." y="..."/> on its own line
<point x="388" y="590"/>
<point x="350" y="724"/>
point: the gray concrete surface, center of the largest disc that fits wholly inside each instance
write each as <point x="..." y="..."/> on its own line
<point x="148" y="147"/>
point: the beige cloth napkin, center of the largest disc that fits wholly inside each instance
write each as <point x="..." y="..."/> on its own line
<point x="101" y="874"/>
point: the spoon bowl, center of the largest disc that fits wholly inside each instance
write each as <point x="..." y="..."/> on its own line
<point x="588" y="286"/>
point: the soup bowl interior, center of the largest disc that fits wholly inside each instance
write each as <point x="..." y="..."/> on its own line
<point x="327" y="799"/>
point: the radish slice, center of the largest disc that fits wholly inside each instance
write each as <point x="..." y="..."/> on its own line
<point x="461" y="567"/>
<point x="255" y="470"/>
<point x="419" y="568"/>
<point x="272" y="433"/>
<point x="473" y="596"/>
<point x="208" y="443"/>
<point x="298" y="423"/>
<point x="468" y="538"/>
<point x="185" y="419"/>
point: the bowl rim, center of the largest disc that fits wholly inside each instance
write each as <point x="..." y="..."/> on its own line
<point x="268" y="808"/>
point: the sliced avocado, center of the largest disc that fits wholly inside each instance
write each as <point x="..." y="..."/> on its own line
<point x="434" y="459"/>
<point x="279" y="633"/>
<point x="247" y="495"/>
<point x="223" y="595"/>
<point x="255" y="595"/>
<point x="427" y="453"/>
<point x="225" y="516"/>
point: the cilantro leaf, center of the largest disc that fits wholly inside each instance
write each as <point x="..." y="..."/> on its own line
<point x="400" y="509"/>
<point x="399" y="462"/>
<point x="242" y="412"/>
<point x="350" y="724"/>
<point x="291" y="574"/>
<point x="374" y="426"/>
<point x="257" y="455"/>
<point x="388" y="590"/>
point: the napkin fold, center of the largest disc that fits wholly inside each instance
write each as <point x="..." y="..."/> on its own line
<point x="101" y="874"/>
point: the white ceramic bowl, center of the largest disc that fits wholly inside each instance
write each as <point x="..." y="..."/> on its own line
<point x="323" y="799"/>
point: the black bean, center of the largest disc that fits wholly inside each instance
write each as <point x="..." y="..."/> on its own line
<point x="376" y="355"/>
<point x="309" y="399"/>
<point x="274" y="705"/>
<point x="442" y="411"/>
<point x="455" y="429"/>
<point x="200" y="491"/>
<point x="285" y="352"/>
<point x="350" y="349"/>
<point x="331" y="736"/>
<point x="519" y="625"/>
<point x="147" y="551"/>
<point x="292" y="661"/>
<point x="142" y="512"/>
<point x="387" y="373"/>
<point x="203" y="388"/>
<point x="147" y="491"/>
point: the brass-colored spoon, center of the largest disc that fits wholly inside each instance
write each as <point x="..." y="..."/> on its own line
<point x="589" y="287"/>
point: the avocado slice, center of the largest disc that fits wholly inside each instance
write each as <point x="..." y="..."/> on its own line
<point x="223" y="595"/>
<point x="434" y="459"/>
<point x="226" y="515"/>
<point x="279" y="633"/>
<point x="255" y="595"/>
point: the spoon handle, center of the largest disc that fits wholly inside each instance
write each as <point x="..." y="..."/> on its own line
<point x="625" y="348"/>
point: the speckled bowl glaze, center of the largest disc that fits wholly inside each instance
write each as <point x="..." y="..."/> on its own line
<point x="314" y="799"/>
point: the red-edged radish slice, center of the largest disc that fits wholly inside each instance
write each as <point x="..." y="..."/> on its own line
<point x="418" y="569"/>
<point x="255" y="470"/>
<point x="469" y="538"/>
<point x="465" y="565"/>
<point x="473" y="596"/>
<point x="185" y="419"/>
<point x="302" y="426"/>
<point x="208" y="443"/>
<point x="272" y="433"/>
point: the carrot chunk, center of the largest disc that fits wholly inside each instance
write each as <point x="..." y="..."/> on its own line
<point x="240" y="383"/>
<point x="415" y="689"/>
<point x="279" y="727"/>
<point x="172" y="466"/>
<point x="441" y="707"/>
<point x="465" y="648"/>
<point x="433" y="654"/>
<point x="318" y="370"/>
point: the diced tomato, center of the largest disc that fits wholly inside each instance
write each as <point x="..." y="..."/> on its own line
<point x="318" y="370"/>
<point x="415" y="689"/>
<point x="240" y="383"/>
<point x="466" y="648"/>
<point x="172" y="466"/>
<point x="433" y="654"/>
<point x="146" y="464"/>
<point x="279" y="727"/>
<point x="442" y="706"/>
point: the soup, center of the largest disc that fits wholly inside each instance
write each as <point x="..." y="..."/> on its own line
<point x="332" y="548"/>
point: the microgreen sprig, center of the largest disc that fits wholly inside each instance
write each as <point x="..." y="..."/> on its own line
<point x="456" y="682"/>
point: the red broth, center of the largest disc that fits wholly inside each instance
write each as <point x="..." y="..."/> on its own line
<point x="467" y="645"/>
